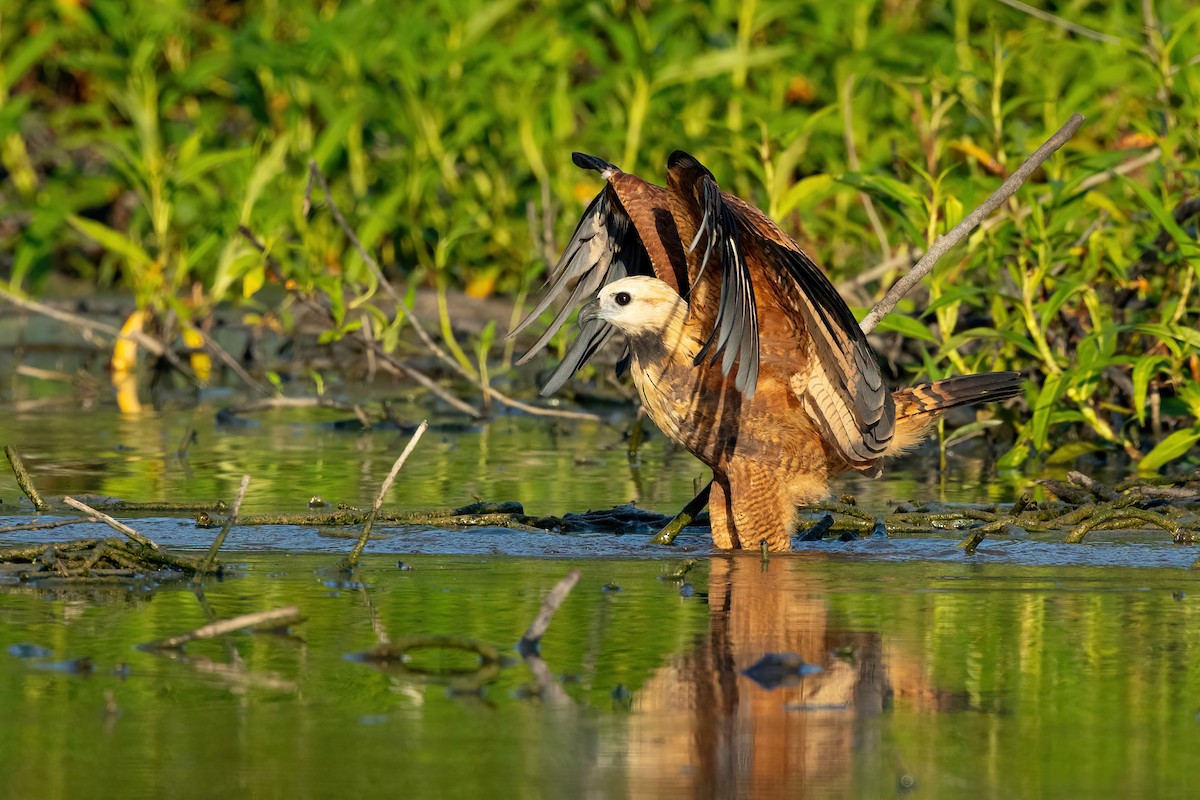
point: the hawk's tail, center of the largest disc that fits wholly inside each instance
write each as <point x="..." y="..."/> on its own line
<point x="919" y="407"/>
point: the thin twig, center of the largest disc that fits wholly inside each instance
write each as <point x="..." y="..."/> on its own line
<point x="89" y="326"/>
<point x="1065" y="24"/>
<point x="541" y="623"/>
<point x="120" y="527"/>
<point x="276" y="618"/>
<point x="945" y="243"/>
<point x="352" y="559"/>
<point x="42" y="526"/>
<point x="410" y="372"/>
<point x="426" y="339"/>
<point x="549" y="689"/>
<point x="1132" y="165"/>
<point x="229" y="523"/>
<point x="225" y="358"/>
<point x="277" y="402"/>
<point x="185" y="441"/>
<point x="1191" y="62"/>
<point x="23" y="479"/>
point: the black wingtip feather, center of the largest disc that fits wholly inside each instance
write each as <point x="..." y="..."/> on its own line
<point x="584" y="161"/>
<point x="679" y="160"/>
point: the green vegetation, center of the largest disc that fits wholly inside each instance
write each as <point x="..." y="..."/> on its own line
<point x="137" y="136"/>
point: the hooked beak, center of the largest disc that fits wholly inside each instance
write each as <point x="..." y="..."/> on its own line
<point x="590" y="311"/>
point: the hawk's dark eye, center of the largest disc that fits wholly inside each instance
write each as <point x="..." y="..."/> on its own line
<point x="622" y="298"/>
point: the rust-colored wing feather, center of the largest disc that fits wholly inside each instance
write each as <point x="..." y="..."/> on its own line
<point x="622" y="233"/>
<point x="840" y="385"/>
<point x="767" y="283"/>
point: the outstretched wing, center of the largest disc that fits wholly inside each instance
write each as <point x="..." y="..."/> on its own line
<point x="608" y="244"/>
<point x="840" y="383"/>
<point x="718" y="240"/>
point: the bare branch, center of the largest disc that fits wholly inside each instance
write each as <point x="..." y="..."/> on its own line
<point x="89" y="327"/>
<point x="410" y="372"/>
<point x="229" y="523"/>
<point x="385" y="487"/>
<point x="119" y="527"/>
<point x="960" y="231"/>
<point x="23" y="479"/>
<point x="225" y="358"/>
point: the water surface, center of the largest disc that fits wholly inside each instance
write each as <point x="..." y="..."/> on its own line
<point x="967" y="678"/>
<point x="1028" y="669"/>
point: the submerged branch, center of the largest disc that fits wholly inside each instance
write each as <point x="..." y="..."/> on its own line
<point x="119" y="527"/>
<point x="537" y="629"/>
<point x="684" y="518"/>
<point x="261" y="620"/>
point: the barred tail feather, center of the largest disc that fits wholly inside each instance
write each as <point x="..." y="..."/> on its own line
<point x="917" y="408"/>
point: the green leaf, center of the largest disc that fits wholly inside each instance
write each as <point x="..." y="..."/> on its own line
<point x="264" y="172"/>
<point x="883" y="186"/>
<point x="1144" y="371"/>
<point x="1050" y="308"/>
<point x="1069" y="452"/>
<point x="1162" y="216"/>
<point x="24" y="54"/>
<point x="1043" y="407"/>
<point x="718" y="62"/>
<point x="806" y="189"/>
<point x="953" y="294"/>
<point x="1171" y="336"/>
<point x="1014" y="459"/>
<point x="112" y="240"/>
<point x="1174" y="446"/>
<point x="486" y="337"/>
<point x="906" y="326"/>
<point x="970" y="429"/>
<point x="204" y="163"/>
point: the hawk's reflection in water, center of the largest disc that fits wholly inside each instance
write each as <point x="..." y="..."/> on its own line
<point x="702" y="728"/>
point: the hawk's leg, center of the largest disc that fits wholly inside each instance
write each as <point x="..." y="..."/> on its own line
<point x="760" y="509"/>
<point x="719" y="515"/>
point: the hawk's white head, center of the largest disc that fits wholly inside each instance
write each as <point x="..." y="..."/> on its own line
<point x="638" y="305"/>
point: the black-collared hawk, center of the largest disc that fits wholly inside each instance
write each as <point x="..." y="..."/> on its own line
<point x="742" y="350"/>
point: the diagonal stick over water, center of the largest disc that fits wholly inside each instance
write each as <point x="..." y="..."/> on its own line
<point x="120" y="527"/>
<point x="352" y="559"/>
<point x="945" y="243"/>
<point x="230" y="521"/>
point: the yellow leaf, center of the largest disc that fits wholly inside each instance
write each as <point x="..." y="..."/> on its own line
<point x="201" y="361"/>
<point x="481" y="284"/>
<point x="125" y="351"/>
<point x="127" y="396"/>
<point x="253" y="280"/>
